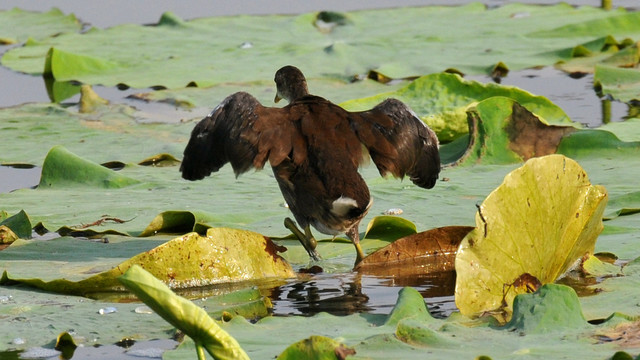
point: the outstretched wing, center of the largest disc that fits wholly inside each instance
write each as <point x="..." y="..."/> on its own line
<point x="399" y="142"/>
<point x="240" y="131"/>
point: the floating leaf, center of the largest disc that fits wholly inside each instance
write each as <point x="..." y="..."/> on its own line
<point x="621" y="84"/>
<point x="178" y="222"/>
<point x="585" y="144"/>
<point x="160" y="160"/>
<point x="552" y="308"/>
<point x="183" y="314"/>
<point x="172" y="54"/>
<point x="442" y="101"/>
<point x="317" y="348"/>
<point x="422" y="253"/>
<point x="410" y="305"/>
<point x="61" y="167"/>
<point x="503" y="131"/>
<point x="115" y="131"/>
<point x="19" y="224"/>
<point x="18" y="25"/>
<point x="223" y="256"/>
<point x="389" y="228"/>
<point x="542" y="219"/>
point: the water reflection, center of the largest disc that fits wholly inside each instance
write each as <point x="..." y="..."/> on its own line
<point x="344" y="294"/>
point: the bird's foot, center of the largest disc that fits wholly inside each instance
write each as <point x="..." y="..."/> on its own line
<point x="306" y="239"/>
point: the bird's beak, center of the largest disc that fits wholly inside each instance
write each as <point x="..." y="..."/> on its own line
<point x="277" y="98"/>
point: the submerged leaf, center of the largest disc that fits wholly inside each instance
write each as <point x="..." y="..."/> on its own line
<point x="542" y="219"/>
<point x="183" y="314"/>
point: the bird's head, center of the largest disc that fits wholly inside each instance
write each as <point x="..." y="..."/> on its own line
<point x="290" y="84"/>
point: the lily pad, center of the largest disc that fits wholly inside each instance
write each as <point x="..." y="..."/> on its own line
<point x="18" y="25"/>
<point x="551" y="308"/>
<point x="503" y="131"/>
<point x="62" y="167"/>
<point x="223" y="256"/>
<point x="113" y="130"/>
<point x="175" y="52"/>
<point x="422" y="253"/>
<point x="543" y="218"/>
<point x="19" y="224"/>
<point x="620" y="83"/>
<point x="316" y="348"/>
<point x="442" y="101"/>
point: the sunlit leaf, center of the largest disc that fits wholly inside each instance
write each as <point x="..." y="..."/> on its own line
<point x="183" y="314"/>
<point x="223" y="256"/>
<point x="442" y="101"/>
<point x="543" y="218"/>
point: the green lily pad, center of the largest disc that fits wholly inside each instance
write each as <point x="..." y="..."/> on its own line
<point x="62" y="167"/>
<point x="316" y="348"/>
<point x="172" y="54"/>
<point x="543" y="218"/>
<point x="621" y="84"/>
<point x="114" y="131"/>
<point x="18" y="25"/>
<point x="503" y="131"/>
<point x="551" y="308"/>
<point x="442" y="101"/>
<point x="19" y="224"/>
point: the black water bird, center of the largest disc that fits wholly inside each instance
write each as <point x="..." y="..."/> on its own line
<point x="315" y="149"/>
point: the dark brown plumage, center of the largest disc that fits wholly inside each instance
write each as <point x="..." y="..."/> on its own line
<point x="314" y="148"/>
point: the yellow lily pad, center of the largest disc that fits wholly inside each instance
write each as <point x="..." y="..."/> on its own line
<point x="534" y="227"/>
<point x="222" y="256"/>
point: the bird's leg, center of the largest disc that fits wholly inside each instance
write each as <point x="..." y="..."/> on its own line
<point x="354" y="235"/>
<point x="307" y="240"/>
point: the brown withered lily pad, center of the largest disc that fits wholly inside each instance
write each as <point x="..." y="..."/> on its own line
<point x="426" y="252"/>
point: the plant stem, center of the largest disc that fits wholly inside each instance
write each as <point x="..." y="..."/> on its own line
<point x="200" y="352"/>
<point x="607" y="4"/>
